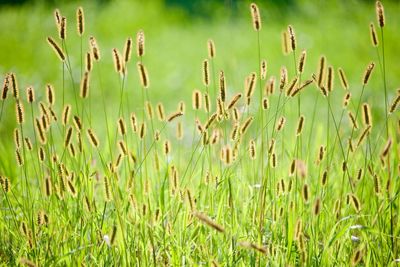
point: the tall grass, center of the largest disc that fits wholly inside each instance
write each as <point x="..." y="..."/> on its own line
<point x="262" y="182"/>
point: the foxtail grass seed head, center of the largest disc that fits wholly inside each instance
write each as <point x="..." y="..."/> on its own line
<point x="144" y="79"/>
<point x="121" y="126"/>
<point x="317" y="207"/>
<point x="77" y="123"/>
<point x="84" y="92"/>
<point x="252" y="149"/>
<point x="363" y="135"/>
<point x="291" y="86"/>
<point x="355" y="202"/>
<point x="127" y="50"/>
<point x="234" y="101"/>
<point x="211" y="48"/>
<point x="5" y="88"/>
<point x="117" y="60"/>
<point x="19" y="158"/>
<point x="321" y="71"/>
<point x="300" y="125"/>
<point x="246" y="125"/>
<point x="377" y="184"/>
<point x="270" y="86"/>
<point x="222" y="86"/>
<point x="40" y="131"/>
<point x="292" y="37"/>
<point x="80" y="21"/>
<point x="57" y="49"/>
<point x="160" y="112"/>
<point x="302" y="61"/>
<point x="68" y="136"/>
<point x="283" y="78"/>
<point x="57" y="17"/>
<point x="255" y="15"/>
<point x="209" y="222"/>
<point x="353" y="120"/>
<point x="380" y="14"/>
<point x="265" y="103"/>
<point x="88" y="62"/>
<point x="17" y="138"/>
<point x="174" y="115"/>
<point x="94" y="48"/>
<point x="149" y="110"/>
<point x="250" y="84"/>
<point x="330" y="79"/>
<point x="210" y="121"/>
<point x="66" y="114"/>
<point x="5" y="184"/>
<point x="281" y="124"/>
<point x="140" y="42"/>
<point x="63" y="28"/>
<point x="94" y="141"/>
<point x="107" y="189"/>
<point x="324" y="178"/>
<point x="386" y="148"/>
<point x="357" y="257"/>
<point x="206" y="73"/>
<point x="305" y="193"/>
<point x="50" y="94"/>
<point x="346" y="99"/>
<point x="374" y="37"/>
<point x="19" y="112"/>
<point x="395" y="104"/>
<point x="367" y="73"/>
<point x="196" y="99"/>
<point x="263" y="69"/>
<point x="28" y="143"/>
<point x="343" y="79"/>
<point x="367" y="117"/>
<point x="30" y="94"/>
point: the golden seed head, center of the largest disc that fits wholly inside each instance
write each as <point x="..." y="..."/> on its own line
<point x="343" y="79"/>
<point x="380" y="14"/>
<point x="255" y="14"/>
<point x="160" y="112"/>
<point x="140" y="42"/>
<point x="50" y="94"/>
<point x="80" y="19"/>
<point x="302" y="61"/>
<point x="367" y="117"/>
<point x="285" y="43"/>
<point x="20" y="113"/>
<point x="84" y="90"/>
<point x="368" y="72"/>
<point x="94" y="48"/>
<point x="263" y="69"/>
<point x="57" y="49"/>
<point x="211" y="48"/>
<point x="250" y="84"/>
<point x="292" y="37"/>
<point x="207" y="221"/>
<point x="174" y="115"/>
<point x="374" y="37"/>
<point x="117" y="60"/>
<point x="395" y="104"/>
<point x="300" y="125"/>
<point x="62" y="30"/>
<point x="196" y="99"/>
<point x="142" y="130"/>
<point x="30" y="94"/>
<point x="93" y="138"/>
<point x="144" y="79"/>
<point x="127" y="50"/>
<point x="222" y="86"/>
<point x="330" y="79"/>
<point x="206" y="73"/>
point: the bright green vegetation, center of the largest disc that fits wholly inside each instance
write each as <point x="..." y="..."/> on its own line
<point x="114" y="183"/>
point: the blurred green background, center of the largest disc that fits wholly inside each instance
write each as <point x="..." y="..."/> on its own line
<point x="176" y="35"/>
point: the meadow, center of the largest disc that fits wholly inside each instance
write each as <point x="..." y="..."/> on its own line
<point x="141" y="133"/>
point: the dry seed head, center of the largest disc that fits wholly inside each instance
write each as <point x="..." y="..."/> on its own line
<point x="271" y="147"/>
<point x="302" y="61"/>
<point x="127" y="50"/>
<point x="50" y="94"/>
<point x="305" y="193"/>
<point x="66" y="114"/>
<point x="122" y="147"/>
<point x="6" y="84"/>
<point x="77" y="123"/>
<point x="377" y="184"/>
<point x="19" y="112"/>
<point x="292" y="37"/>
<point x="107" y="189"/>
<point x="250" y="84"/>
<point x="252" y="149"/>
<point x="300" y="125"/>
<point x="28" y="143"/>
<point x="367" y="118"/>
<point x="235" y="114"/>
<point x="263" y="69"/>
<point x="234" y="100"/>
<point x="343" y="79"/>
<point x="57" y="49"/>
<point x="386" y="148"/>
<point x="281" y="123"/>
<point x="235" y="131"/>
<point x="68" y="135"/>
<point x="324" y="178"/>
<point x="298" y="89"/>
<point x="62" y="30"/>
<point x="270" y="86"/>
<point x="317" y="207"/>
<point x="17" y="138"/>
<point x="30" y="94"/>
<point x="355" y="202"/>
<point x="357" y="257"/>
<point x="160" y="112"/>
<point x="40" y="131"/>
<point x="395" y="104"/>
<point x="210" y="121"/>
<point x="14" y="85"/>
<point x="368" y="72"/>
<point x="265" y="103"/>
<point x="117" y="60"/>
<point x="330" y="79"/>
<point x="374" y="37"/>
<point x="291" y="86"/>
<point x="57" y="17"/>
<point x="80" y="19"/>
<point x="167" y="147"/>
<point x="353" y="120"/>
<point x="5" y="184"/>
<point x="85" y="85"/>
<point x="72" y="188"/>
<point x="41" y="154"/>
<point x="380" y="14"/>
<point x="226" y="155"/>
<point x="133" y="122"/>
<point x="144" y="79"/>
<point x="94" y="48"/>
<point x="140" y="42"/>
<point x="298" y="228"/>
<point x="88" y="62"/>
<point x="321" y="71"/>
<point x="273" y="160"/>
<point x="20" y="160"/>
<point x="255" y="15"/>
<point x="246" y="125"/>
<point x="206" y="220"/>
<point x="207" y="103"/>
<point x="142" y="130"/>
<point x="346" y="99"/>
<point x="283" y="78"/>
<point x="211" y="48"/>
<point x="94" y="141"/>
<point x="174" y="115"/>
<point x="206" y="73"/>
<point x="364" y="134"/>
<point x="196" y="99"/>
<point x="222" y="86"/>
<point x="253" y="246"/>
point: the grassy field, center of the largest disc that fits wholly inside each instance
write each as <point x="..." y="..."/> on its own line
<point x="209" y="142"/>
